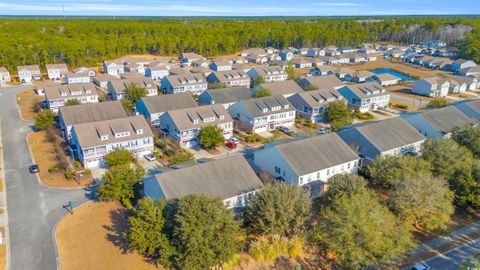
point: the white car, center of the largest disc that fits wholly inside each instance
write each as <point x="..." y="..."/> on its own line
<point x="150" y="157"/>
<point x="234" y="140"/>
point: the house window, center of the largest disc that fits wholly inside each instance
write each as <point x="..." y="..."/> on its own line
<point x="301" y="181"/>
<point x="277" y="170"/>
<point x="328" y="171"/>
<point x="348" y="165"/>
<point x="318" y="175"/>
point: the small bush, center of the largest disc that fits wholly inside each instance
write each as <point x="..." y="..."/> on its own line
<point x="267" y="248"/>
<point x="169" y="153"/>
<point x="180" y="157"/>
<point x="78" y="164"/>
<point x="160" y="144"/>
<point x="70" y="175"/>
<point x="53" y="169"/>
<point x="363" y="116"/>
<point x="157" y="155"/>
<point x="87" y="172"/>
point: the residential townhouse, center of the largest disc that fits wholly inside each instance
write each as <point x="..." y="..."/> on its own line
<point x="202" y="71"/>
<point x="359" y="76"/>
<point x="386" y="79"/>
<point x="188" y="58"/>
<point x="134" y="68"/>
<point x="229" y="78"/>
<point x="327" y="82"/>
<point x="253" y="51"/>
<point x="4" y="76"/>
<point x="284" y="88"/>
<point x="271" y="50"/>
<point x="308" y="162"/>
<point x="117" y="88"/>
<point x="470" y="71"/>
<point x="337" y="60"/>
<point x="470" y="108"/>
<point x="438" y="123"/>
<point x="343" y="72"/>
<point x="459" y="64"/>
<point x="225" y="96"/>
<point x="114" y="67"/>
<point x="302" y="62"/>
<point x="155" y="106"/>
<point x="196" y="84"/>
<point x="315" y="52"/>
<point x="91" y="141"/>
<point x="184" y="125"/>
<point x="86" y="70"/>
<point x="200" y="63"/>
<point x="56" y="96"/>
<point x="263" y="114"/>
<point x="86" y="113"/>
<point x="286" y="55"/>
<point x="346" y="50"/>
<point x="232" y="179"/>
<point x="77" y="78"/>
<point x="257" y="59"/>
<point x="459" y="84"/>
<point x="322" y="71"/>
<point x="366" y="97"/>
<point x="56" y="72"/>
<point x="269" y="74"/>
<point x="131" y="75"/>
<point x="27" y="74"/>
<point x="101" y="80"/>
<point x="157" y="72"/>
<point x="220" y="65"/>
<point x="311" y="105"/>
<point x="431" y="87"/>
<point x="129" y="60"/>
<point x="392" y="136"/>
<point x="301" y="51"/>
<point x="39" y="87"/>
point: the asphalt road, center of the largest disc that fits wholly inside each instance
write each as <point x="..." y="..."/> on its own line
<point x="33" y="209"/>
<point x="452" y="259"/>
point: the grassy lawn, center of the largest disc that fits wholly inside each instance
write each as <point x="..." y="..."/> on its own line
<point x="91" y="238"/>
<point x="44" y="154"/>
<point x="26" y="101"/>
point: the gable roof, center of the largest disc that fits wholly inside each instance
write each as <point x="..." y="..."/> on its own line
<point x="323" y="82"/>
<point x="255" y="106"/>
<point x="229" y="94"/>
<point x="226" y="178"/>
<point x="163" y="103"/>
<point x="366" y="90"/>
<point x="316" y="153"/>
<point x="70" y="90"/>
<point x="185" y="79"/>
<point x="282" y="87"/>
<point x="92" y="112"/>
<point x="230" y="75"/>
<point x="385" y="77"/>
<point x="122" y="85"/>
<point x="56" y="66"/>
<point x="389" y="133"/>
<point x="316" y="98"/>
<point x="88" y="134"/>
<point x="446" y="119"/>
<point x="184" y="118"/>
<point x="264" y="71"/>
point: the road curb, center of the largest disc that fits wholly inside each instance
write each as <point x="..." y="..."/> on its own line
<point x="5" y="208"/>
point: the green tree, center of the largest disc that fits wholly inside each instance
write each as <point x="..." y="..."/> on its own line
<point x="471" y="263"/>
<point x="44" y="119"/>
<point x="72" y="102"/>
<point x="279" y="209"/>
<point x="465" y="183"/>
<point x="437" y="103"/>
<point x="358" y="230"/>
<point x="469" y="137"/>
<point x="338" y="114"/>
<point x="384" y="171"/>
<point x="119" y="156"/>
<point x="146" y="231"/>
<point x="262" y="93"/>
<point x="310" y="87"/>
<point x="445" y="155"/>
<point x="258" y="80"/>
<point x="422" y="201"/>
<point x="135" y="92"/>
<point x="216" y="85"/>
<point x="127" y="106"/>
<point x="290" y="69"/>
<point x="210" y="137"/>
<point x="205" y="233"/>
<point x="120" y="183"/>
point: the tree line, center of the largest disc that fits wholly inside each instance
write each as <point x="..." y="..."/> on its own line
<point x="88" y="41"/>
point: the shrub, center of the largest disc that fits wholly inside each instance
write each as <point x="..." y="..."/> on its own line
<point x="363" y="116"/>
<point x="119" y="156"/>
<point x="160" y="144"/>
<point x="268" y="248"/>
<point x="44" y="119"/>
<point x="87" y="172"/>
<point x="180" y="157"/>
<point x="78" y="164"/>
<point x="157" y="155"/>
<point x="169" y="153"/>
<point x="70" y="175"/>
<point x="53" y="169"/>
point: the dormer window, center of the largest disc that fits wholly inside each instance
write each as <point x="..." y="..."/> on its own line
<point x="64" y="94"/>
<point x="286" y="106"/>
<point x="195" y="121"/>
<point x="265" y="110"/>
<point x="222" y="117"/>
<point x="88" y="91"/>
<point x="139" y="131"/>
<point x="104" y="137"/>
<point x="276" y="108"/>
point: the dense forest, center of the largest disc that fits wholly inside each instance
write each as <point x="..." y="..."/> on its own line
<point x="87" y="41"/>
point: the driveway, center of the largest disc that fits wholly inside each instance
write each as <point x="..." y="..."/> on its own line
<point x="33" y="209"/>
<point x="407" y="99"/>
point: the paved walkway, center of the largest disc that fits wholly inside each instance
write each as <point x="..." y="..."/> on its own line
<point x="33" y="209"/>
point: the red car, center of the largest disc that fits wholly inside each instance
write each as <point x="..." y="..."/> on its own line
<point x="231" y="145"/>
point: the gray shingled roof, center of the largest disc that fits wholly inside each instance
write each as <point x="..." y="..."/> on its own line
<point x="282" y="87"/>
<point x="163" y="103"/>
<point x="316" y="153"/>
<point x="121" y="86"/>
<point x="390" y="133"/>
<point x="185" y="79"/>
<point x="317" y="97"/>
<point x="255" y="106"/>
<point x="366" y="90"/>
<point x="322" y="82"/>
<point x="446" y="119"/>
<point x="84" y="89"/>
<point x="92" y="112"/>
<point x="88" y="134"/>
<point x="229" y="94"/>
<point x="225" y="178"/>
<point x="184" y="118"/>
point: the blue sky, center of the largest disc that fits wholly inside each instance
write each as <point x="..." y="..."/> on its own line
<point x="238" y="7"/>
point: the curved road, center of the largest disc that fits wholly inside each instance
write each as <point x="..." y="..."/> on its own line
<point x="33" y="209"/>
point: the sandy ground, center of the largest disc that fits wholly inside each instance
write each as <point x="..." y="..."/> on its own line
<point x="44" y="155"/>
<point x="26" y="100"/>
<point x="91" y="239"/>
<point x="400" y="66"/>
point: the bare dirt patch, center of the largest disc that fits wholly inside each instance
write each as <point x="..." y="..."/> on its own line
<point x="27" y="101"/>
<point x="91" y="238"/>
<point x="405" y="68"/>
<point x="44" y="154"/>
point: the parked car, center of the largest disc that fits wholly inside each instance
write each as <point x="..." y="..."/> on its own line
<point x="421" y="266"/>
<point x="150" y="157"/>
<point x="322" y="131"/>
<point x="234" y="140"/>
<point x="284" y="130"/>
<point x="34" y="168"/>
<point x="231" y="145"/>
